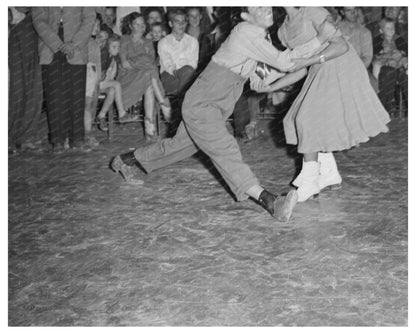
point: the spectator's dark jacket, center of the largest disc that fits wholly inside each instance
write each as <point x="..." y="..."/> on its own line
<point x="400" y="42"/>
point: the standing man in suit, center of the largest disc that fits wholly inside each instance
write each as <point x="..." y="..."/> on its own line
<point x="63" y="51"/>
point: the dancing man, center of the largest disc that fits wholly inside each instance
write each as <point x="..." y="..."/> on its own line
<point x="208" y="104"/>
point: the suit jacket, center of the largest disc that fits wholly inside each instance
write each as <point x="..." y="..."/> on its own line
<point x="78" y="23"/>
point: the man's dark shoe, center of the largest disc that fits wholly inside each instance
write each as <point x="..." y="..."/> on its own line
<point x="280" y="207"/>
<point x="58" y="148"/>
<point x="126" y="171"/>
<point x="81" y="146"/>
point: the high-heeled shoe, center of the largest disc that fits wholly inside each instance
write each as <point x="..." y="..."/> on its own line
<point x="251" y="131"/>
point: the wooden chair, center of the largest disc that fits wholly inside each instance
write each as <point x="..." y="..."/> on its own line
<point x="110" y="115"/>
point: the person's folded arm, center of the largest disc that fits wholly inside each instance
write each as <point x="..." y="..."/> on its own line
<point x="194" y="54"/>
<point x="166" y="60"/>
<point x="44" y="30"/>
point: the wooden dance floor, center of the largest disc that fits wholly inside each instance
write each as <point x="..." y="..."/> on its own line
<point x="86" y="249"/>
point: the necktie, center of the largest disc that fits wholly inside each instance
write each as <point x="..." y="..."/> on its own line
<point x="263" y="70"/>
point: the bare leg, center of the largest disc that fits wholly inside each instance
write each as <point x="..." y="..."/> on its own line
<point x="162" y="99"/>
<point x="107" y="103"/>
<point x="119" y="100"/>
<point x="149" y="114"/>
<point x="158" y="90"/>
<point x="115" y="87"/>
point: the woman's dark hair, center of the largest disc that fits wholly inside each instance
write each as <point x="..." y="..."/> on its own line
<point x="153" y="9"/>
<point x="113" y="38"/>
<point x="107" y="29"/>
<point x="128" y="21"/>
<point x="105" y="54"/>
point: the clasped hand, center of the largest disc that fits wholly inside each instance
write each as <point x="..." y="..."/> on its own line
<point x="299" y="63"/>
<point x="68" y="49"/>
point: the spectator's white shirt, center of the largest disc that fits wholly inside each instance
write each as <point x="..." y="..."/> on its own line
<point x="175" y="54"/>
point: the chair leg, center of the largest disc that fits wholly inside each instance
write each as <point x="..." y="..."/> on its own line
<point x="401" y="106"/>
<point x="157" y="118"/>
<point x="110" y="123"/>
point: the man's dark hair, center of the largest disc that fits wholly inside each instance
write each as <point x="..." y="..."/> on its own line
<point x="158" y="24"/>
<point x="384" y="21"/>
<point x="152" y="9"/>
<point x="199" y="9"/>
<point x="112" y="8"/>
<point x="176" y="12"/>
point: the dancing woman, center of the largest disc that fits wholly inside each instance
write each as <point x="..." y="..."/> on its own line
<point x="336" y="108"/>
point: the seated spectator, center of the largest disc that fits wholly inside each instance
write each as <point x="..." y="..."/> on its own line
<point x="178" y="54"/>
<point x="102" y="37"/>
<point x="195" y="30"/>
<point x="138" y="74"/>
<point x="111" y="86"/>
<point x="121" y="14"/>
<point x="374" y="15"/>
<point x="109" y="18"/>
<point x="153" y="15"/>
<point x="399" y="16"/>
<point x="390" y="63"/>
<point x="358" y="35"/>
<point x="157" y="32"/>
